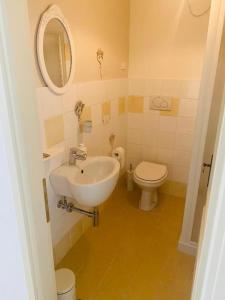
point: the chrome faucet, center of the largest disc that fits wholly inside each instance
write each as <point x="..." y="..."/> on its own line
<point x="76" y="154"/>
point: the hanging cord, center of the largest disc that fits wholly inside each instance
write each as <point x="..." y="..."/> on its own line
<point x="195" y="14"/>
<point x="100" y="55"/>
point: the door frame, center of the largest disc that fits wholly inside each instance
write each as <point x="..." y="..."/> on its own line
<point x="20" y="155"/>
<point x="211" y="58"/>
<point x="28" y="273"/>
<point x="210" y="266"/>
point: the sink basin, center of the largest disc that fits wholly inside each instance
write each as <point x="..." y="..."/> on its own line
<point x="90" y="182"/>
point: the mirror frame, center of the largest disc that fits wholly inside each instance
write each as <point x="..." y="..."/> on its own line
<point x="53" y="12"/>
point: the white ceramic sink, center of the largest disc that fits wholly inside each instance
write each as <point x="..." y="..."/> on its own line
<point x="90" y="182"/>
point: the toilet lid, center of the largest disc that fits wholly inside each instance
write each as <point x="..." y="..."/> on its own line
<point x="65" y="281"/>
<point x="150" y="171"/>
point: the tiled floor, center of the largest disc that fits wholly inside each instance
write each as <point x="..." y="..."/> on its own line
<point x="133" y="254"/>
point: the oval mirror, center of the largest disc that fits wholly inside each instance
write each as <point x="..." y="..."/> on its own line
<point x="55" y="50"/>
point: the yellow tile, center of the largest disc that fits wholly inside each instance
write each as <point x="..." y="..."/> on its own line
<point x="135" y="104"/>
<point x="178" y="189"/>
<point x="132" y="254"/>
<point x="106" y="109"/>
<point x="165" y="188"/>
<point x="121" y="105"/>
<point x="54" y="130"/>
<point x="175" y="108"/>
<point x="86" y="114"/>
<point x="174" y="188"/>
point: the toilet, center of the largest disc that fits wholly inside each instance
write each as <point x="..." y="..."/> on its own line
<point x="65" y="284"/>
<point x="149" y="176"/>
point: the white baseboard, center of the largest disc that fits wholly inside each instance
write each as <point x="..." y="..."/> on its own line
<point x="189" y="248"/>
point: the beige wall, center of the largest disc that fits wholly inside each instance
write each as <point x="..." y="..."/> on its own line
<point x="94" y="24"/>
<point x="165" y="40"/>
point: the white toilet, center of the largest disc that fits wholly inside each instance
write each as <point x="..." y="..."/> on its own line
<point x="149" y="176"/>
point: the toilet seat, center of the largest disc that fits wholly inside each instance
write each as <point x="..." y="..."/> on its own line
<point x="150" y="172"/>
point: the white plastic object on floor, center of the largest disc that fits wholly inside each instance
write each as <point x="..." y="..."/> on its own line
<point x="66" y="284"/>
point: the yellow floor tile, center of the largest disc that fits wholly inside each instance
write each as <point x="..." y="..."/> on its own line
<point x="133" y="254"/>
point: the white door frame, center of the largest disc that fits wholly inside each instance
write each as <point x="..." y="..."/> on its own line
<point x="26" y="250"/>
<point x="215" y="30"/>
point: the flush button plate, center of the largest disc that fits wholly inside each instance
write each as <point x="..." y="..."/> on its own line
<point x="160" y="103"/>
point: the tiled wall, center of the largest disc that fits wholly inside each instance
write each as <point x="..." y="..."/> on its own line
<point x="59" y="131"/>
<point x="164" y="137"/>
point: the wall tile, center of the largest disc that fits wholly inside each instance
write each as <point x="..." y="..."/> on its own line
<point x="54" y="130"/>
<point x="165" y="156"/>
<point x="134" y="136"/>
<point x="151" y="121"/>
<point x="184" y="142"/>
<point x="171" y="88"/>
<point x="135" y="104"/>
<point x="182" y="158"/>
<point x="150" y="137"/>
<point x="188" y="108"/>
<point x="175" y="102"/>
<point x="149" y="153"/>
<point x="86" y="114"/>
<point x="71" y="126"/>
<point x="156" y="86"/>
<point x="69" y="99"/>
<point x="96" y="114"/>
<point x="190" y="89"/>
<point x="167" y="123"/>
<point x="180" y="174"/>
<point x="185" y="124"/>
<point x="135" y="120"/>
<point x="121" y="105"/>
<point x="114" y="108"/>
<point x="49" y="104"/>
<point x="166" y="140"/>
<point x="106" y="109"/>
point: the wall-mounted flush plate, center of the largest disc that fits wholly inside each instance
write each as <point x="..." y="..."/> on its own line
<point x="160" y="103"/>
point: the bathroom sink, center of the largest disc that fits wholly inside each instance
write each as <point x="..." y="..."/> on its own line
<point x="90" y="182"/>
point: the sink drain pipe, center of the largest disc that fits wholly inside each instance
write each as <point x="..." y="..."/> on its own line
<point x="70" y="207"/>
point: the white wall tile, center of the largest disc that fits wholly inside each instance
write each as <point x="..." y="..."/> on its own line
<point x="156" y="86"/>
<point x="184" y="142"/>
<point x="166" y="140"/>
<point x="180" y="173"/>
<point x="134" y="136"/>
<point x="96" y="114"/>
<point x="165" y="156"/>
<point x="71" y="126"/>
<point x="69" y="99"/>
<point x="190" y="89"/>
<point x="167" y="123"/>
<point x="49" y="104"/>
<point x="185" y="124"/>
<point x="149" y="153"/>
<point x="150" y="137"/>
<point x="114" y="108"/>
<point x="151" y="120"/>
<point x="182" y="158"/>
<point x="171" y="88"/>
<point x="188" y="108"/>
<point x="135" y="120"/>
